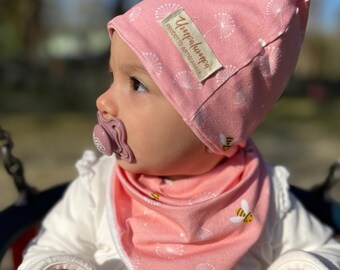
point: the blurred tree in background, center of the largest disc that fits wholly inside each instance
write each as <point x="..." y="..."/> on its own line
<point x="54" y="53"/>
<point x="318" y="69"/>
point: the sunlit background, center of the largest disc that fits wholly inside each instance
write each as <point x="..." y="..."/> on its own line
<point x="53" y="65"/>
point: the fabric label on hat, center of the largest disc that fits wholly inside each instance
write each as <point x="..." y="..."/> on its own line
<point x="191" y="44"/>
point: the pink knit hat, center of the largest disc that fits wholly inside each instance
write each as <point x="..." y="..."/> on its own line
<point x="222" y="64"/>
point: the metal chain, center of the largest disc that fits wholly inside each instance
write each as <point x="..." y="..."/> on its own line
<point x="14" y="167"/>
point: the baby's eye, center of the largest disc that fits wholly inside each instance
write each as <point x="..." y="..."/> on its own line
<point x="138" y="86"/>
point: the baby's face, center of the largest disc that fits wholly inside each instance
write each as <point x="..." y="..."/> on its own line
<point x="162" y="143"/>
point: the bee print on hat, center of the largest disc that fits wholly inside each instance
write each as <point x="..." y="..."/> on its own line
<point x="226" y="142"/>
<point x="242" y="214"/>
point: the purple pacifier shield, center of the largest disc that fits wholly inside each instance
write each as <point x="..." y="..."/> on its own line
<point x="109" y="136"/>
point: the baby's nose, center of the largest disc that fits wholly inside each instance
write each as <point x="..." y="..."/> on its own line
<point x="107" y="105"/>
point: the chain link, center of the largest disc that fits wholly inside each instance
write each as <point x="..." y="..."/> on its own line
<point x="12" y="164"/>
<point x="14" y="167"/>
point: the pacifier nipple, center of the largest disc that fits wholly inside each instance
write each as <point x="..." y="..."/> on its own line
<point x="109" y="136"/>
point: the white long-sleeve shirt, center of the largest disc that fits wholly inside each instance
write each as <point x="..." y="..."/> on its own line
<point x="76" y="234"/>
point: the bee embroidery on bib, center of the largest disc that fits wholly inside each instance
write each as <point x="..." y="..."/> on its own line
<point x="242" y="214"/>
<point x="155" y="196"/>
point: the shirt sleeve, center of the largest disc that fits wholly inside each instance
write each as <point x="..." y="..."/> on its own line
<point x="67" y="236"/>
<point x="300" y="240"/>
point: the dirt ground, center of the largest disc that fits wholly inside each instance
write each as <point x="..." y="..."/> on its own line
<point x="300" y="134"/>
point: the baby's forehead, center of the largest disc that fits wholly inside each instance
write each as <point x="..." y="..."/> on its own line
<point x="125" y="56"/>
<point x="127" y="62"/>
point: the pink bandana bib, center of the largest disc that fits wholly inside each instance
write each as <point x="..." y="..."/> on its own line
<point x="202" y="222"/>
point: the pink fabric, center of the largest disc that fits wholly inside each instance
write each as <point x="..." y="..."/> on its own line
<point x="195" y="223"/>
<point x="256" y="42"/>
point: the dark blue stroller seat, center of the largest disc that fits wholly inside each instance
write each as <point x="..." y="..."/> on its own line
<point x="319" y="201"/>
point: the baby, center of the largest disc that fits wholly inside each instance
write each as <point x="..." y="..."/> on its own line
<point x="182" y="186"/>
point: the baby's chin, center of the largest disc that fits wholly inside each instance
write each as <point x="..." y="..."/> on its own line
<point x="126" y="165"/>
<point x="132" y="167"/>
<point x="137" y="168"/>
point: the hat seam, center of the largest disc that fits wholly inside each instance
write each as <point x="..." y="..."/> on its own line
<point x="237" y="71"/>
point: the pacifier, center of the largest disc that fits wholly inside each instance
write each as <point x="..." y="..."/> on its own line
<point x="109" y="136"/>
